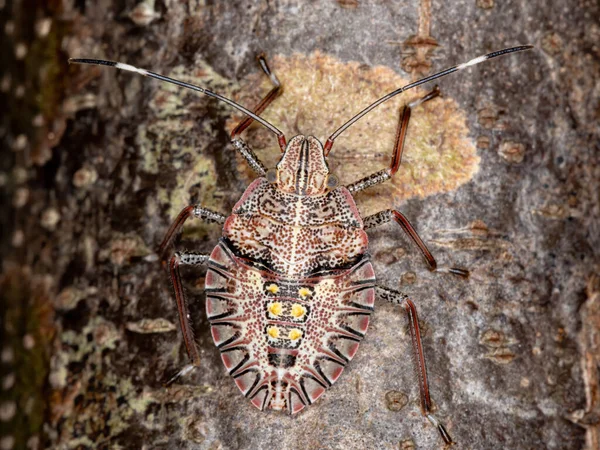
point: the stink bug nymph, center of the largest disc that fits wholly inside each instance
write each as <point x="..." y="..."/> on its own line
<point x="289" y="287"/>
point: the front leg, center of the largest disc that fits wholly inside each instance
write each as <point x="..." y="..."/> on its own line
<point x="415" y="333"/>
<point x="264" y="103"/>
<point x="385" y="174"/>
<point x="238" y="143"/>
<point x="392" y="214"/>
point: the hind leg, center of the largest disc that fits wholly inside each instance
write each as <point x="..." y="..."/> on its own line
<point x="186" y="258"/>
<point x="415" y="333"/>
<point x="178" y="259"/>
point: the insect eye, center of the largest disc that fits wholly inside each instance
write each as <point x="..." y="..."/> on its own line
<point x="271" y="175"/>
<point x="332" y="181"/>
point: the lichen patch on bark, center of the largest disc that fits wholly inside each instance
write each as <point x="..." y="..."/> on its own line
<point x="321" y="92"/>
<point x="177" y="137"/>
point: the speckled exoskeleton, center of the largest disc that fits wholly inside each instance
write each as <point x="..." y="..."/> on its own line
<point x="289" y="287"/>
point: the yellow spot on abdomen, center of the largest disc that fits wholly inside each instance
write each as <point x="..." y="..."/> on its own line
<point x="275" y="308"/>
<point x="273" y="288"/>
<point x="294" y="334"/>
<point x="273" y="332"/>
<point x="304" y="292"/>
<point x="298" y="311"/>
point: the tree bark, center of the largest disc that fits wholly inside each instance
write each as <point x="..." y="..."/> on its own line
<point x="499" y="176"/>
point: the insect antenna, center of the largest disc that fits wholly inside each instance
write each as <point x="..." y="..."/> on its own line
<point x="147" y="73"/>
<point x="435" y="76"/>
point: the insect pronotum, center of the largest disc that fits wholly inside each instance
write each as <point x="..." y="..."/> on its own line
<point x="289" y="287"/>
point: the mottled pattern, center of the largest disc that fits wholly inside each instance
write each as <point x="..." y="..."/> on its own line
<point x="285" y="341"/>
<point x="296" y="235"/>
<point x="290" y="288"/>
<point x="303" y="169"/>
<point x="371" y="180"/>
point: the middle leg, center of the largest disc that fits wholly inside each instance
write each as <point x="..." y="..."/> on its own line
<point x="265" y="102"/>
<point x="186" y="258"/>
<point x="395" y="215"/>
<point x="195" y="211"/>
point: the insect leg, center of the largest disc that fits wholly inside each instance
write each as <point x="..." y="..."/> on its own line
<point x="415" y="333"/>
<point x="249" y="155"/>
<point x="185" y="258"/>
<point x="237" y="142"/>
<point x="266" y="101"/>
<point x="189" y="211"/>
<point x="385" y="174"/>
<point x="392" y="214"/>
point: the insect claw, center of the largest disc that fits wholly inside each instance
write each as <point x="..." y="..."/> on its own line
<point x="443" y="432"/>
<point x="187" y="369"/>
<point x="435" y="92"/>
<point x="463" y="273"/>
<point x="152" y="257"/>
<point x="445" y="435"/>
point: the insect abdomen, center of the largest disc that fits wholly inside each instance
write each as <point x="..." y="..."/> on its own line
<point x="286" y="341"/>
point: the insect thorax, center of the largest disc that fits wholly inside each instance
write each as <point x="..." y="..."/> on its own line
<point x="296" y="235"/>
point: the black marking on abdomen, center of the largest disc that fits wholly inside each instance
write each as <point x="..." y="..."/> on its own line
<point x="266" y="265"/>
<point x="219" y="268"/>
<point x="300" y="396"/>
<point x="257" y="391"/>
<point x="308" y="375"/>
<point x="320" y="372"/>
<point x="247" y="393"/>
<point x="281" y="360"/>
<point x="233" y="338"/>
<point x="304" y="391"/>
<point x="239" y="365"/>
<point x="352" y="330"/>
<point x="333" y="349"/>
<point x="228" y="313"/>
<point x="369" y="281"/>
<point x="359" y="306"/>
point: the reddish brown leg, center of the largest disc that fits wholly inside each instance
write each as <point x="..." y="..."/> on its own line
<point x="386" y="174"/>
<point x="239" y="143"/>
<point x="391" y="214"/>
<point x="189" y="211"/>
<point x="266" y="101"/>
<point x="415" y="333"/>
<point x="187" y="258"/>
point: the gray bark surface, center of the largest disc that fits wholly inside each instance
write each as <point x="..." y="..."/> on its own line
<point x="96" y="162"/>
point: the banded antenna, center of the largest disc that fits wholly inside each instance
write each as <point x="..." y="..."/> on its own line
<point x="443" y="73"/>
<point x="147" y="73"/>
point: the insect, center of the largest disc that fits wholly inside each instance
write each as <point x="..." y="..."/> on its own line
<point x="290" y="288"/>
